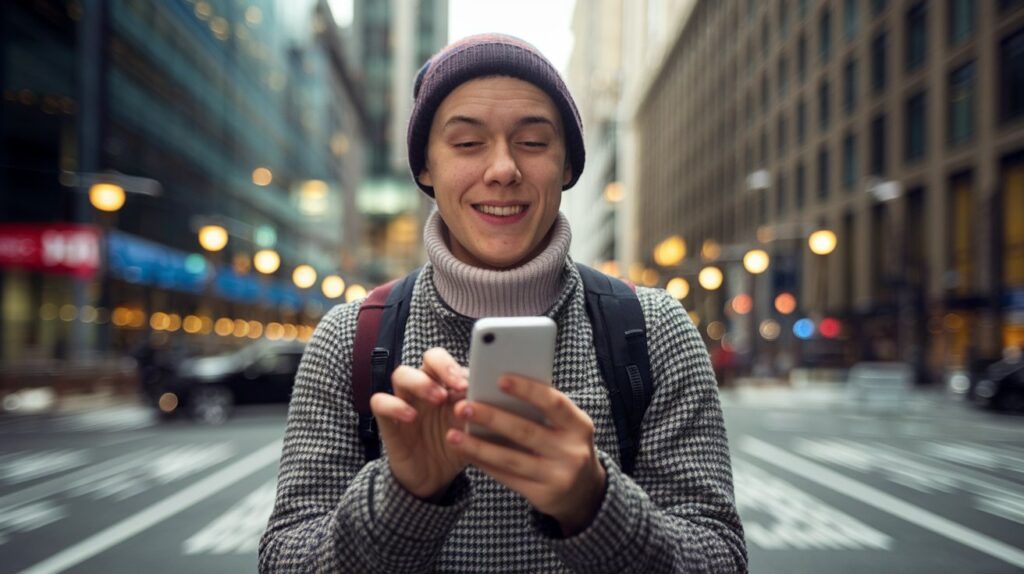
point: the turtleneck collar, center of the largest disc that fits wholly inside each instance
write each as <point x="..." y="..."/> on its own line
<point x="527" y="290"/>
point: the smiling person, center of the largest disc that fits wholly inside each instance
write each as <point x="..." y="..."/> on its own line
<point x="495" y="138"/>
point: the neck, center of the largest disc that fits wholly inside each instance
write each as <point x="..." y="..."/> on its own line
<point x="526" y="290"/>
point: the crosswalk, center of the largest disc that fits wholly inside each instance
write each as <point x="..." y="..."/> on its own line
<point x="799" y="494"/>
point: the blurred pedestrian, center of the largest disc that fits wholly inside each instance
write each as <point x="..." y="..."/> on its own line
<point x="495" y="138"/>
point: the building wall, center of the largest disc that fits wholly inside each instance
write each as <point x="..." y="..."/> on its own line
<point x="725" y="105"/>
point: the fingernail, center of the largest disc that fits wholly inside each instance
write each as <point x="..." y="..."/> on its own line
<point x="454" y="436"/>
<point x="408" y="415"/>
<point x="439" y="393"/>
<point x="505" y="384"/>
<point x="467" y="411"/>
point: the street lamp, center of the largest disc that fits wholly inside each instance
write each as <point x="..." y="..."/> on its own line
<point x="756" y="261"/>
<point x="822" y="242"/>
<point x="710" y="278"/>
<point x="266" y="261"/>
<point x="107" y="197"/>
<point x="304" y="276"/>
<point x="213" y="237"/>
<point x="670" y="252"/>
<point x="678" y="288"/>
<point x="333" y="286"/>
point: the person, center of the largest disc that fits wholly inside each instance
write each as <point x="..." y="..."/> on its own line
<point x="495" y="138"/>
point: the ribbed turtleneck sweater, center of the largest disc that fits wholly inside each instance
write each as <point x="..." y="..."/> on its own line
<point x="527" y="290"/>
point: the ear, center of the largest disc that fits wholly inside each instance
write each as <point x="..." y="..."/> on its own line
<point x="566" y="174"/>
<point x="424" y="178"/>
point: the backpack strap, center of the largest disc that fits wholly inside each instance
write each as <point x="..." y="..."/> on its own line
<point x="620" y="341"/>
<point x="380" y="331"/>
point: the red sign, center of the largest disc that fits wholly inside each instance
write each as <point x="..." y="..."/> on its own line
<point x="57" y="248"/>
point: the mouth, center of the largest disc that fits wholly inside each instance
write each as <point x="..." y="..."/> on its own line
<point x="500" y="210"/>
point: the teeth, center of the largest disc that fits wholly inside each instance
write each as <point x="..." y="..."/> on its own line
<point x="500" y="211"/>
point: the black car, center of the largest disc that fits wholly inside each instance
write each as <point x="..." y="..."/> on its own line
<point x="1002" y="386"/>
<point x="208" y="388"/>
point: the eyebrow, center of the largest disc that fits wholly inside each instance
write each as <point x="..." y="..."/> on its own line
<point x="476" y="122"/>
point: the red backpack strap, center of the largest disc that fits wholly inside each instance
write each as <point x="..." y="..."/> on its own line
<point x="367" y="328"/>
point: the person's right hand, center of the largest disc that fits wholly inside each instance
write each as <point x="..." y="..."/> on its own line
<point x="414" y="421"/>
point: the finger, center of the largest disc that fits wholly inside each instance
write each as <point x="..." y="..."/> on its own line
<point x="389" y="407"/>
<point x="414" y="382"/>
<point x="443" y="367"/>
<point x="502" y="459"/>
<point x="521" y="431"/>
<point x="558" y="409"/>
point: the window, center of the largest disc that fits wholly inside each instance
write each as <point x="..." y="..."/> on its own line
<point x="917" y="36"/>
<point x="766" y="95"/>
<point x="801" y="122"/>
<point x="1011" y="77"/>
<point x="782" y="135"/>
<point x="766" y="152"/>
<point x="801" y="191"/>
<point x="801" y="58"/>
<point x="961" y="20"/>
<point x="878" y="149"/>
<point x="878" y="72"/>
<point x="783" y="76"/>
<point x="960" y="219"/>
<point x="877" y="6"/>
<point x="766" y="36"/>
<point x="961" y="104"/>
<point x="824" y="94"/>
<point x="915" y="127"/>
<point x="850" y="86"/>
<point x="825" y="35"/>
<point x="1007" y="5"/>
<point x="849" y="161"/>
<point x="780" y="195"/>
<point x="823" y="173"/>
<point x="851" y="18"/>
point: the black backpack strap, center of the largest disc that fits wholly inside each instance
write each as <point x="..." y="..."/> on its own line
<point x="620" y="341"/>
<point x="380" y="333"/>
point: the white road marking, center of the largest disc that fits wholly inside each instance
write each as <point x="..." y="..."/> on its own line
<point x="157" y="513"/>
<point x="29" y="517"/>
<point x="108" y="419"/>
<point x="882" y="501"/>
<point x="24" y="466"/>
<point x="238" y="530"/>
<point x="797" y="519"/>
<point x="155" y="470"/>
<point x="977" y="455"/>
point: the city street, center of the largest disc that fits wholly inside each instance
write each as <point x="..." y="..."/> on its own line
<point x="936" y="486"/>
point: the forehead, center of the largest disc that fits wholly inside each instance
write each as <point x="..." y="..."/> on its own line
<point x="497" y="95"/>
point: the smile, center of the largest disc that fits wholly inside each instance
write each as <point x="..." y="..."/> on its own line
<point x="500" y="211"/>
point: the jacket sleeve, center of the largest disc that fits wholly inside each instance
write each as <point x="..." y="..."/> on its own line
<point x="334" y="511"/>
<point x="677" y="512"/>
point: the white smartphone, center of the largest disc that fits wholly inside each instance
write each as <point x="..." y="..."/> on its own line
<point x="522" y="346"/>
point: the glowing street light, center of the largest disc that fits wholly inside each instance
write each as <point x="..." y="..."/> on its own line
<point x="262" y="176"/>
<point x="213" y="237"/>
<point x="613" y="192"/>
<point x="106" y="196"/>
<point x="822" y="242"/>
<point x="678" y="288"/>
<point x="304" y="276"/>
<point x="354" y="292"/>
<point x="670" y="251"/>
<point x="710" y="278"/>
<point x="333" y="286"/>
<point x="756" y="261"/>
<point x="266" y="261"/>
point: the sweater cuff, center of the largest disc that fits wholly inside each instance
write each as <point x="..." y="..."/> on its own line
<point x="395" y="518"/>
<point x="616" y="533"/>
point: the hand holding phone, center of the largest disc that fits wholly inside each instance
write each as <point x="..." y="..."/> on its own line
<point x="523" y="346"/>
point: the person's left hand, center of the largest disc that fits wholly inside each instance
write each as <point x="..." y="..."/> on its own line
<point x="561" y="475"/>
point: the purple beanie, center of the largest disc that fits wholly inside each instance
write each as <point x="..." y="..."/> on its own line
<point x="480" y="56"/>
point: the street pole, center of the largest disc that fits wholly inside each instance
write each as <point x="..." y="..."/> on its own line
<point x="92" y="64"/>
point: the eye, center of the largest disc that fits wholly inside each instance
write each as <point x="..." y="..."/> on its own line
<point x="534" y="144"/>
<point x="466" y="144"/>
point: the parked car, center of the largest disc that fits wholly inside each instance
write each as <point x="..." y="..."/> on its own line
<point x="1002" y="387"/>
<point x="207" y="389"/>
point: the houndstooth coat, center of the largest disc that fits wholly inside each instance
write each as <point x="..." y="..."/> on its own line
<point x="337" y="513"/>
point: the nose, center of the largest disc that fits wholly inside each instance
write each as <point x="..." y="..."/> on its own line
<point x="502" y="168"/>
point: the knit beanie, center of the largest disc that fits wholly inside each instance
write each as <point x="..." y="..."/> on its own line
<point x="480" y="56"/>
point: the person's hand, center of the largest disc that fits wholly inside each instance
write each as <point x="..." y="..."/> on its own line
<point x="414" y="420"/>
<point x="561" y="475"/>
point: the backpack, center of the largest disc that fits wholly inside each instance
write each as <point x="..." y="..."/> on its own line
<point x="620" y="341"/>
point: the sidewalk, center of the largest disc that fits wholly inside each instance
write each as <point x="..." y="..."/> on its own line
<point x="34" y="386"/>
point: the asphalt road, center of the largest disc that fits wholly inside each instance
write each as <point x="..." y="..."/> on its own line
<point x="822" y="487"/>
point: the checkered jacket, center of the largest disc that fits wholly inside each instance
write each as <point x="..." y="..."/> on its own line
<point x="337" y="513"/>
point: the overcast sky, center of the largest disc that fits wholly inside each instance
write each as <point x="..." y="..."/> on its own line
<point x="547" y="24"/>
